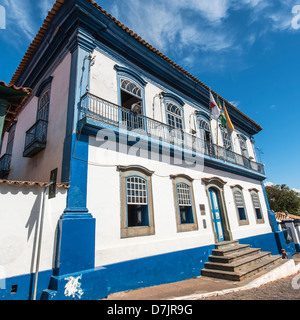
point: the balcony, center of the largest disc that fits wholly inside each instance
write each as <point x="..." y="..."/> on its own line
<point x="35" y="140"/>
<point x="5" y="165"/>
<point x="97" y="113"/>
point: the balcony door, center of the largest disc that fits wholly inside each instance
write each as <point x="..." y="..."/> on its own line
<point x="132" y="102"/>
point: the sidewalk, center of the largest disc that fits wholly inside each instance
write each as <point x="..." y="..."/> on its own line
<point x="197" y="288"/>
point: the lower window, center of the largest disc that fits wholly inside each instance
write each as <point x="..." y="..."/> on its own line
<point x="184" y="203"/>
<point x="136" y="202"/>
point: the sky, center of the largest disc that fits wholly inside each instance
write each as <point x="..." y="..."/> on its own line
<point x="245" y="50"/>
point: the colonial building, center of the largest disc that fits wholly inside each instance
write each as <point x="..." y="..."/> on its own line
<point x="154" y="182"/>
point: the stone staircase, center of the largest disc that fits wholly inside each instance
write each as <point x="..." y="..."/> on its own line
<point x="236" y="262"/>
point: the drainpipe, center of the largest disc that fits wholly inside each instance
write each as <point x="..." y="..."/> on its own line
<point x="40" y="241"/>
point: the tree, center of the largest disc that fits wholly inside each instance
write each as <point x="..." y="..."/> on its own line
<point x="282" y="199"/>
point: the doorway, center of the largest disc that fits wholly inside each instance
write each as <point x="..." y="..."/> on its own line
<point x="216" y="214"/>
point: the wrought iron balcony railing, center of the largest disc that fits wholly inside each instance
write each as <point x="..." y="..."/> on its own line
<point x="35" y="139"/>
<point x="106" y="112"/>
<point x="5" y="165"/>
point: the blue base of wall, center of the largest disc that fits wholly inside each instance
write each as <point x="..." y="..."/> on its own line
<point x="86" y="285"/>
<point x="156" y="270"/>
<point x="98" y="283"/>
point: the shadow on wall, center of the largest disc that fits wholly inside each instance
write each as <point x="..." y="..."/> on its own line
<point x="33" y="225"/>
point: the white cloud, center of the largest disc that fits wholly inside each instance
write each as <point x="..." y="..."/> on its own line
<point x="45" y="6"/>
<point x="19" y="19"/>
<point x="269" y="184"/>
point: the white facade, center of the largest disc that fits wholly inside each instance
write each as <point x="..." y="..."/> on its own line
<point x="21" y="207"/>
<point x="104" y="183"/>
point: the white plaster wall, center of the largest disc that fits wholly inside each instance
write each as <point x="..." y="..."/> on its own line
<point x="103" y="83"/>
<point x="104" y="185"/>
<point x="39" y="167"/>
<point x="19" y="215"/>
<point x="104" y="204"/>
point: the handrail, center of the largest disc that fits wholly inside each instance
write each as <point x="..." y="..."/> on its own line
<point x="105" y="111"/>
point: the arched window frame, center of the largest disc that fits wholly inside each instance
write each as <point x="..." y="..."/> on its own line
<point x="172" y="99"/>
<point x="242" y="215"/>
<point x="130" y="75"/>
<point x="175" y="115"/>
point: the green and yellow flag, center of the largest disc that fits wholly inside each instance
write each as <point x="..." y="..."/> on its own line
<point x="229" y="125"/>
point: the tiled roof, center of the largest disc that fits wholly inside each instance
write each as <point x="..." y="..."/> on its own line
<point x="58" y="4"/>
<point x="33" y="183"/>
<point x="15" y="99"/>
<point x="12" y="86"/>
<point x="281" y="216"/>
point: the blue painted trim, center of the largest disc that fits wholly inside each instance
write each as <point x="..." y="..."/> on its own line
<point x="25" y="285"/>
<point x="91" y="127"/>
<point x="267" y="242"/>
<point x="157" y="270"/>
<point x="122" y="71"/>
<point x="46" y="84"/>
<point x="171" y="96"/>
<point x="202" y="115"/>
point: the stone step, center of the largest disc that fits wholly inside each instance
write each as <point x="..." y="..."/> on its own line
<point x="224" y="244"/>
<point x="230" y="250"/>
<point x="245" y="272"/>
<point x="234" y="256"/>
<point x="239" y="264"/>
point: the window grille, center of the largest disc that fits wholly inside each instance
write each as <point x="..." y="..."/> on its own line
<point x="174" y="115"/>
<point x="131" y="88"/>
<point x="240" y="205"/>
<point x="256" y="205"/>
<point x="136" y="191"/>
<point x="184" y="195"/>
<point x="43" y="109"/>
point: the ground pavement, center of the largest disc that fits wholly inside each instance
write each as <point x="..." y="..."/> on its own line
<point x="209" y="288"/>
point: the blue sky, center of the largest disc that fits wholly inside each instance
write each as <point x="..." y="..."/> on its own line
<point x="246" y="50"/>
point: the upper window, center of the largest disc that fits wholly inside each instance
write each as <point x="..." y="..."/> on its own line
<point x="226" y="138"/>
<point x="43" y="107"/>
<point x="205" y="135"/>
<point x="10" y="140"/>
<point x="184" y="203"/>
<point x="174" y="116"/>
<point x="240" y="205"/>
<point x="131" y="88"/>
<point x="257" y="207"/>
<point x="136" y="202"/>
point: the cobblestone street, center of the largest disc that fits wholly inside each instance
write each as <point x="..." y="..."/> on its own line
<point x="278" y="290"/>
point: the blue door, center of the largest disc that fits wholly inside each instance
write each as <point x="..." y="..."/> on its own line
<point x="216" y="214"/>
